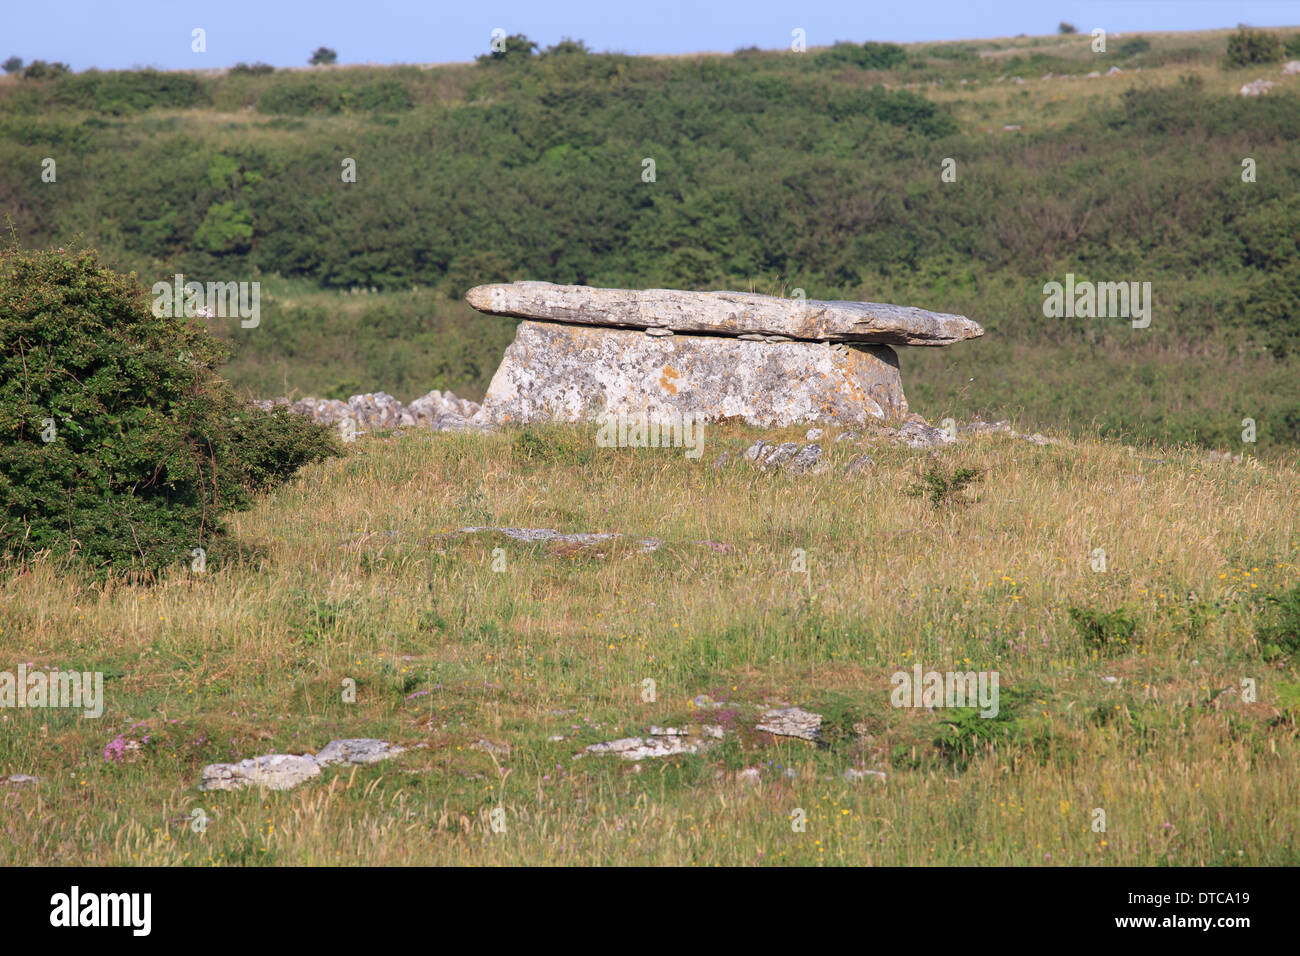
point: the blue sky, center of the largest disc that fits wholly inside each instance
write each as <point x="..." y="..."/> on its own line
<point x="120" y="35"/>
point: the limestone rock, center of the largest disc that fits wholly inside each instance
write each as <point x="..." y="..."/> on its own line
<point x="357" y="750"/>
<point x="286" y="771"/>
<point x="858" y="466"/>
<point x="809" y="458"/>
<point x="724" y="313"/>
<point x="791" y="722"/>
<point x="662" y="742"/>
<point x="574" y="373"/>
<point x="272" y="771"/>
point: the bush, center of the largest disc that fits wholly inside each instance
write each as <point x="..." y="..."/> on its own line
<point x="868" y="56"/>
<point x="516" y="47"/>
<point x="1066" y="28"/>
<point x="1292" y="48"/>
<point x="1134" y="46"/>
<point x="257" y="69"/>
<point x="119" y="445"/>
<point x="1253" y="46"/>
<point x="940" y="486"/>
<point x="323" y="56"/>
<point x="1278" y="631"/>
<point x="1106" y="630"/>
<point x="13" y="64"/>
<point x="40" y="70"/>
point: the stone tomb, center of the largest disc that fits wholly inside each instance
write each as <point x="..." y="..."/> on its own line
<point x="662" y="353"/>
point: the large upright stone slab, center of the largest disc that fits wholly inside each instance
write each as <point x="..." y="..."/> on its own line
<point x="574" y="373"/>
<point x="724" y="313"/>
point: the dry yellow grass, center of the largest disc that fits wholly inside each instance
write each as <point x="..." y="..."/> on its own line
<point x="349" y="573"/>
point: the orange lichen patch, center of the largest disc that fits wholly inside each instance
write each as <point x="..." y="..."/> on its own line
<point x="664" y="380"/>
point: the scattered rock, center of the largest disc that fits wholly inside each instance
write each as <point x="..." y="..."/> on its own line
<point x="853" y="775"/>
<point x="20" y="780"/>
<point x="921" y="435"/>
<point x="374" y="410"/>
<point x="722" y="460"/>
<point x="981" y="427"/>
<point x="813" y="434"/>
<point x="750" y="775"/>
<point x="1037" y="439"/>
<point x="791" y="722"/>
<point x="286" y="771"/>
<point x="488" y="746"/>
<point x="808" y="459"/>
<point x="1092" y="76"/>
<point x="849" y="435"/>
<point x="859" y="465"/>
<point x="1291" y="68"/>
<point x="775" y="456"/>
<point x="551" y="536"/>
<point x="1114" y="71"/>
<point x="662" y="742"/>
<point x="271" y="772"/>
<point x="1258" y="88"/>
<point x="357" y="750"/>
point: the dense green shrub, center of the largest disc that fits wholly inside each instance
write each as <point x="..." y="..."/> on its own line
<point x="865" y="56"/>
<point x="257" y="69"/>
<point x="119" y="445"/>
<point x="302" y="97"/>
<point x="1292" y="48"/>
<point x="1134" y="46"/>
<point x="514" y="49"/>
<point x="41" y="70"/>
<point x="13" y="64"/>
<point x="323" y="56"/>
<point x="129" y="91"/>
<point x="1109" y="631"/>
<point x="1278" y="630"/>
<point x="1253" y="46"/>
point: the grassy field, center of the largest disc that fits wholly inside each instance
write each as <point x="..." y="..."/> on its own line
<point x="349" y="572"/>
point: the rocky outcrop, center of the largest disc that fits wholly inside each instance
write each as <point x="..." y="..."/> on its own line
<point x="577" y="373"/>
<point x="585" y="354"/>
<point x="441" y="411"/>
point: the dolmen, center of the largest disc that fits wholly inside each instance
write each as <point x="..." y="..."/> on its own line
<point x="583" y="353"/>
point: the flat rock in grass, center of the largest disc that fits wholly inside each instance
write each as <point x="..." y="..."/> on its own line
<point x="724" y="314"/>
<point x="574" y="373"/>
<point x="551" y="536"/>
<point x="662" y="742"/>
<point x="19" y="780"/>
<point x="270" y="772"/>
<point x="286" y="771"/>
<point x="358" y="750"/>
<point x="791" y="722"/>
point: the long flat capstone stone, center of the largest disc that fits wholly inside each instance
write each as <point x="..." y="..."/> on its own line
<point x="732" y="314"/>
<point x="558" y="372"/>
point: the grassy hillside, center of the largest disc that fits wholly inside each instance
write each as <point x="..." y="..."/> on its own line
<point x="1121" y="689"/>
<point x="773" y="171"/>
